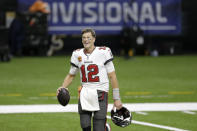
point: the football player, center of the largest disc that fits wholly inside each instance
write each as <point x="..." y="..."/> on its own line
<point x="96" y="70"/>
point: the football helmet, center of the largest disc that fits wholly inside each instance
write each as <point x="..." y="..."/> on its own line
<point x="121" y="117"/>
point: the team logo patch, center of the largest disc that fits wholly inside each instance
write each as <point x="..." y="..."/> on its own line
<point x="79" y="58"/>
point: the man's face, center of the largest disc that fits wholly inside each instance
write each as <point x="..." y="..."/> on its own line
<point x="88" y="40"/>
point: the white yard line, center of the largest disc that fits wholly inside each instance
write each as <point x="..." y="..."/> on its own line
<point x="141" y="113"/>
<point x="157" y="126"/>
<point x="5" y="109"/>
<point x="154" y="125"/>
<point x="74" y="107"/>
<point x="190" y="106"/>
<point x="189" y="112"/>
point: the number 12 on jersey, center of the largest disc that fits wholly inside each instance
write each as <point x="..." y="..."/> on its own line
<point x="89" y="73"/>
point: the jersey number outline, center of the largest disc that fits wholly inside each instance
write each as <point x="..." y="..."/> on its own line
<point x="92" y="72"/>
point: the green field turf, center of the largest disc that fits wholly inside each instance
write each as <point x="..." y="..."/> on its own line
<point x="34" y="80"/>
<point x="70" y="122"/>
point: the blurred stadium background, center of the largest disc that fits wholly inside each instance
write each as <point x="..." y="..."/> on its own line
<point x="153" y="41"/>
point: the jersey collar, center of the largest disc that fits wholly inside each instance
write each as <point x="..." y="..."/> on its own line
<point x="84" y="51"/>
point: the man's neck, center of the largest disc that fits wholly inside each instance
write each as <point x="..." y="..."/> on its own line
<point x="90" y="50"/>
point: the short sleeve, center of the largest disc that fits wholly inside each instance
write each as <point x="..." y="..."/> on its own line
<point x="74" y="60"/>
<point x="73" y="70"/>
<point x="108" y="55"/>
<point x="110" y="67"/>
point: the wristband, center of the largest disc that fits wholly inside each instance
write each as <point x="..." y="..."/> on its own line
<point x="116" y="94"/>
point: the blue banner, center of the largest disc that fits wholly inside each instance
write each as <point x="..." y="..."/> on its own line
<point x="109" y="16"/>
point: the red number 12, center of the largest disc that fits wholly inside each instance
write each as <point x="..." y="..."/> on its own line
<point x="92" y="72"/>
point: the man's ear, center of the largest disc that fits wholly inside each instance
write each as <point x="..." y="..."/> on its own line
<point x="94" y="39"/>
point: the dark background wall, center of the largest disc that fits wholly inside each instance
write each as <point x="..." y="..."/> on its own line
<point x="186" y="43"/>
<point x="189" y="13"/>
<point x="183" y="44"/>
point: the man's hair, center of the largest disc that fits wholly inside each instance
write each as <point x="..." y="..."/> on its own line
<point x="89" y="30"/>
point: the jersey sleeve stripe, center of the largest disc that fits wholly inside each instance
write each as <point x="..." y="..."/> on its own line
<point x="74" y="65"/>
<point x="108" y="61"/>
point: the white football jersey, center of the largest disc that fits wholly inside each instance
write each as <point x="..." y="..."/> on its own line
<point x="93" y="67"/>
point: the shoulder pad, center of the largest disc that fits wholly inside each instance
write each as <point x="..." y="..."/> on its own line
<point x="103" y="48"/>
<point x="77" y="50"/>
